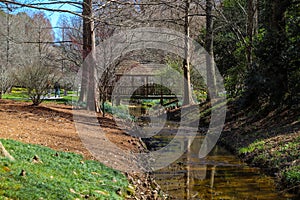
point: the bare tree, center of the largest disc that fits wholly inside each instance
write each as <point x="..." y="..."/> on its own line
<point x="122" y="14"/>
<point x="183" y="16"/>
<point x="187" y="97"/>
<point x="210" y="67"/>
<point x="36" y="68"/>
<point x="36" y="78"/>
<point x="87" y="93"/>
<point x="6" y="80"/>
<point x="5" y="56"/>
<point x="70" y="48"/>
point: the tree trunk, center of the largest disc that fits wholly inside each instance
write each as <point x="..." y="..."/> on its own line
<point x="87" y="93"/>
<point x="252" y="18"/>
<point x="5" y="153"/>
<point x="187" y="95"/>
<point x="86" y="49"/>
<point x="279" y="69"/>
<point x="210" y="67"/>
<point x="91" y="94"/>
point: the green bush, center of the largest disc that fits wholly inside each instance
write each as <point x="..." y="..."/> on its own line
<point x="120" y="111"/>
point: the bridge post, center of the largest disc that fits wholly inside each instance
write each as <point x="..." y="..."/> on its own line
<point x="118" y="101"/>
<point x="146" y="92"/>
<point x="161" y="92"/>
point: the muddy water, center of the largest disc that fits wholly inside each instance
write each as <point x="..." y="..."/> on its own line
<point x="220" y="175"/>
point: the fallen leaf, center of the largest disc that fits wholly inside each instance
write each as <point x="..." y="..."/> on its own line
<point x="102" y="192"/>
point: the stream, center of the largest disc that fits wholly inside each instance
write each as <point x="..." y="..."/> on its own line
<point x="220" y="175"/>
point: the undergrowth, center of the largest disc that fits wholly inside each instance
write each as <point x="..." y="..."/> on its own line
<point x="279" y="154"/>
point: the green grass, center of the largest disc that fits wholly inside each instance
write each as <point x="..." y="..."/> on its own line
<point x="292" y="175"/>
<point x="16" y="94"/>
<point x="20" y="94"/>
<point x="280" y="154"/>
<point x="257" y="145"/>
<point x="60" y="175"/>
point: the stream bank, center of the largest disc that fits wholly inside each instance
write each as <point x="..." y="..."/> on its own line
<point x="268" y="139"/>
<point x="220" y="175"/>
<point x="268" y="143"/>
<point x="223" y="174"/>
<point x="264" y="137"/>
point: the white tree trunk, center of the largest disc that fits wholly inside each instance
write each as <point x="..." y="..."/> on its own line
<point x="187" y="98"/>
<point x="210" y="67"/>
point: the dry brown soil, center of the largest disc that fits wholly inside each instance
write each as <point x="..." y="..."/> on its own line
<point x="52" y="125"/>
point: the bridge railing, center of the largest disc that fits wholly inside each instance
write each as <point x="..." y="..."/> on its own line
<point x="145" y="90"/>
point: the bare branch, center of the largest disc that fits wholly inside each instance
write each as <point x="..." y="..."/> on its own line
<point x="41" y="8"/>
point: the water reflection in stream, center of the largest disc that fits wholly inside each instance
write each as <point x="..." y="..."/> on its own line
<point x="220" y="175"/>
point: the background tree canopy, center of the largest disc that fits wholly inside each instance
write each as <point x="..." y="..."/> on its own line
<point x="255" y="43"/>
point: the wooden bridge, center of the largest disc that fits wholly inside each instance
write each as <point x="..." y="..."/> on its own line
<point x="140" y="82"/>
<point x="148" y="91"/>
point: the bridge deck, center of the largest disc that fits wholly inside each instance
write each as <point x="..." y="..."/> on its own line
<point x="148" y="97"/>
<point x="143" y="92"/>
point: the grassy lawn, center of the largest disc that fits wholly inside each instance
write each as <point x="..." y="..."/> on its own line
<point x="20" y="94"/>
<point x="16" y="94"/>
<point x="56" y="175"/>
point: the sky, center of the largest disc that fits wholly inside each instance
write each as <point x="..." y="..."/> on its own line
<point x="52" y="16"/>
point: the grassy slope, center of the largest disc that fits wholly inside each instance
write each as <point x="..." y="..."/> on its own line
<point x="59" y="175"/>
<point x="267" y="139"/>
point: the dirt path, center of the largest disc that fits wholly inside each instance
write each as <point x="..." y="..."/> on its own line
<point x="52" y="125"/>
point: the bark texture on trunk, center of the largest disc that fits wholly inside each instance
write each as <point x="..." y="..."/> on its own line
<point x="87" y="93"/>
<point x="210" y="66"/>
<point x="187" y="93"/>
